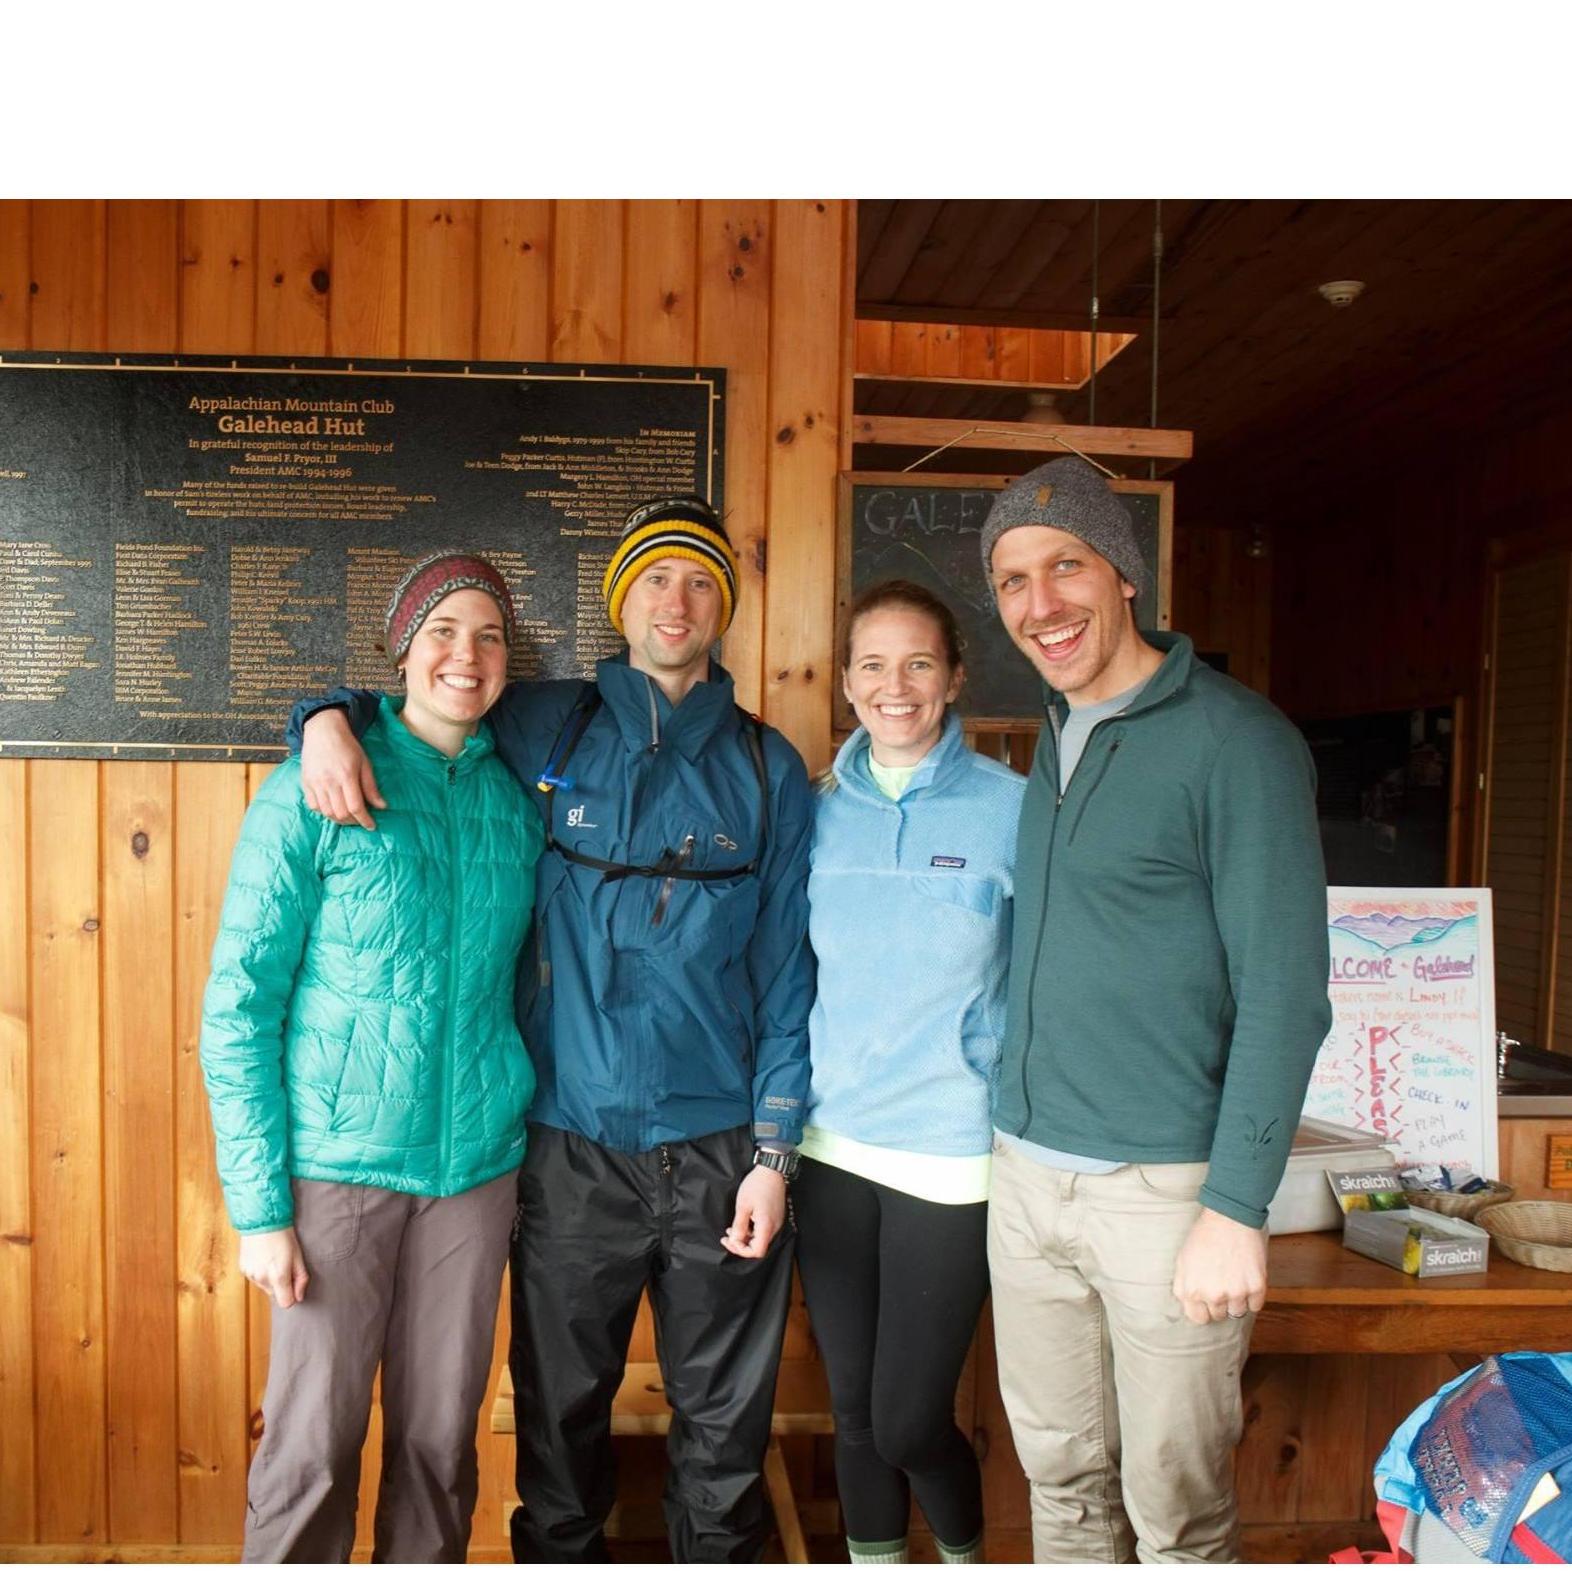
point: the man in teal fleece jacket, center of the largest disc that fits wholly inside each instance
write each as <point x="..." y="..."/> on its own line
<point x="1167" y="998"/>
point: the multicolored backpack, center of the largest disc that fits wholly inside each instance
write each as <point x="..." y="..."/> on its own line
<point x="1482" y="1471"/>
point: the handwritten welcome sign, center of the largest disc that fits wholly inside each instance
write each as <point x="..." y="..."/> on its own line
<point x="1411" y="1053"/>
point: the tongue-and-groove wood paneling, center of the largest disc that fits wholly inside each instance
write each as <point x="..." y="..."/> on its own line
<point x="132" y="1355"/>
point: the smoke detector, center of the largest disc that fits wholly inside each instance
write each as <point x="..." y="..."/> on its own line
<point x="1341" y="291"/>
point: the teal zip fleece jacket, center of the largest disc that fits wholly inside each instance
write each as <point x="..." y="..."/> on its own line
<point x="358" y="1022"/>
<point x="1168" y="977"/>
<point x="909" y="913"/>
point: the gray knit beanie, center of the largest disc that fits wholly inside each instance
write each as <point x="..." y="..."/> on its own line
<point x="1069" y="494"/>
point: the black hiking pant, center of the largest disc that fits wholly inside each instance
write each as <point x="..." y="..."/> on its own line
<point x="595" y="1227"/>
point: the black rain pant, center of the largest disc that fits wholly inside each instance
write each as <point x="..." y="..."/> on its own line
<point x="595" y="1227"/>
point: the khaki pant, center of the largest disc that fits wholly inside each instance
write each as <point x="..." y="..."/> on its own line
<point x="411" y="1283"/>
<point x="1124" y="1414"/>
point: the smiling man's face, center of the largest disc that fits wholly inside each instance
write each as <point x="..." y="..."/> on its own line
<point x="1068" y="610"/>
<point x="670" y="617"/>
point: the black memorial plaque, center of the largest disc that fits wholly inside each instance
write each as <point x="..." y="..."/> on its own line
<point x="926" y="528"/>
<point x="188" y="543"/>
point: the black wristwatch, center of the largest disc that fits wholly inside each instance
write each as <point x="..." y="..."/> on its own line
<point x="783" y="1163"/>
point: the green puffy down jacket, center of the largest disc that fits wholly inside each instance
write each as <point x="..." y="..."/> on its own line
<point x="358" y="1023"/>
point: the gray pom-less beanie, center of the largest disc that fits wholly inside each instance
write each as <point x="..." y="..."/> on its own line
<point x="1069" y="494"/>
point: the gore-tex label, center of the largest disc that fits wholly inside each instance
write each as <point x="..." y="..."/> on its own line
<point x="948" y="862"/>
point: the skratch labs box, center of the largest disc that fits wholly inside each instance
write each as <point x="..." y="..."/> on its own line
<point x="1379" y="1223"/>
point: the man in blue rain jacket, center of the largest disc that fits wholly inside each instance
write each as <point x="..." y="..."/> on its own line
<point x="666" y="1009"/>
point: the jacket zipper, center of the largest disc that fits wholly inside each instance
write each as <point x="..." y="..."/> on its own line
<point x="455" y="907"/>
<point x="1080" y="811"/>
<point x="663" y="900"/>
<point x="667" y="1201"/>
<point x="1042" y="920"/>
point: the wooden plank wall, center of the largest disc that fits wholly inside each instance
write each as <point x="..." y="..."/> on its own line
<point x="132" y="1355"/>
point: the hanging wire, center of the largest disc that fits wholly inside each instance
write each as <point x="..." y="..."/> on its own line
<point x="1157" y="294"/>
<point x="1091" y="403"/>
<point x="1008" y="431"/>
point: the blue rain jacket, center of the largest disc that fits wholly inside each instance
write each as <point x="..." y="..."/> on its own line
<point x="645" y="1032"/>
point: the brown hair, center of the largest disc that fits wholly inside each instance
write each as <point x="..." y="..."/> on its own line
<point x="912" y="597"/>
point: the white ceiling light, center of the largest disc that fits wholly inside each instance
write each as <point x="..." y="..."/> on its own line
<point x="1341" y="291"/>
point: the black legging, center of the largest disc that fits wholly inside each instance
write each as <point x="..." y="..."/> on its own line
<point x="894" y="1287"/>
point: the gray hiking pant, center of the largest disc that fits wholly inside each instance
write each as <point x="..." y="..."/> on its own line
<point x="410" y="1283"/>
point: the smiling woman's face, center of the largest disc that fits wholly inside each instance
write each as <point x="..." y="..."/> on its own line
<point x="899" y="680"/>
<point x="457" y="662"/>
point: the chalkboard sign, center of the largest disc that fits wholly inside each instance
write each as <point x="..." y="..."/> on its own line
<point x="926" y="528"/>
<point x="187" y="543"/>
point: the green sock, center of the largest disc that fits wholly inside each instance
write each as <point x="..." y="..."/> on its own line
<point x="877" y="1552"/>
<point x="957" y="1557"/>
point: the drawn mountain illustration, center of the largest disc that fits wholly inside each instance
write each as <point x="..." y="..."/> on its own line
<point x="1393" y="932"/>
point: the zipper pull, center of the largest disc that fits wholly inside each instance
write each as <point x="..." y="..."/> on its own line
<point x="664" y="899"/>
<point x="452" y="773"/>
<point x="665" y="1161"/>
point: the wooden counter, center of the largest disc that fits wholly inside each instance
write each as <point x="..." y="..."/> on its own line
<point x="1323" y="1299"/>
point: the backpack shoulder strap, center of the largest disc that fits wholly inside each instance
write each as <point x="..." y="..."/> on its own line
<point x="753" y="737"/>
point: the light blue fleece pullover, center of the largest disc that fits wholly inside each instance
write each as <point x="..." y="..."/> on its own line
<point x="909" y="908"/>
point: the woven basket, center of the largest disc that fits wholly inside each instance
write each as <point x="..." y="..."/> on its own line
<point x="1468" y="1207"/>
<point x="1537" y="1233"/>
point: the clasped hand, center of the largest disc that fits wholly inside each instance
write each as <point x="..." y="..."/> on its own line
<point x="273" y="1262"/>
<point x="761" y="1212"/>
<point x="1221" y="1269"/>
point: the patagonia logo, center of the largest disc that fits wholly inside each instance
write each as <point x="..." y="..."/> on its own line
<point x="948" y="862"/>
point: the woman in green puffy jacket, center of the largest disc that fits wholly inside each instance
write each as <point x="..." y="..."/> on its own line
<point x="369" y="1086"/>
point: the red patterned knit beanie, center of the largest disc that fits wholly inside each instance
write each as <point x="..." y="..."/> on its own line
<point x="428" y="582"/>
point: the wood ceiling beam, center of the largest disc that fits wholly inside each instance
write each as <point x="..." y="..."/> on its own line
<point x="1059" y="277"/>
<point x="871" y="219"/>
<point x="1063" y="321"/>
<point x="899" y="240"/>
<point x="1252" y="374"/>
<point x="1440" y="363"/>
<point x="1286" y="483"/>
<point x="1199" y="343"/>
<point x="1048" y="233"/>
<point x="1124" y="249"/>
<point x="949" y="241"/>
<point x="1002" y="232"/>
<point x="1403" y="302"/>
<point x="1022" y="437"/>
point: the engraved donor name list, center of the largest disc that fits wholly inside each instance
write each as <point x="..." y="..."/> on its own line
<point x="188" y="543"/>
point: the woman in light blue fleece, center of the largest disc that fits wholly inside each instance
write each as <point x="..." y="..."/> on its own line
<point x="909" y="913"/>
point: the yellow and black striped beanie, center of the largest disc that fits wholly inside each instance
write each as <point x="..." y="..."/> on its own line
<point x="686" y="527"/>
